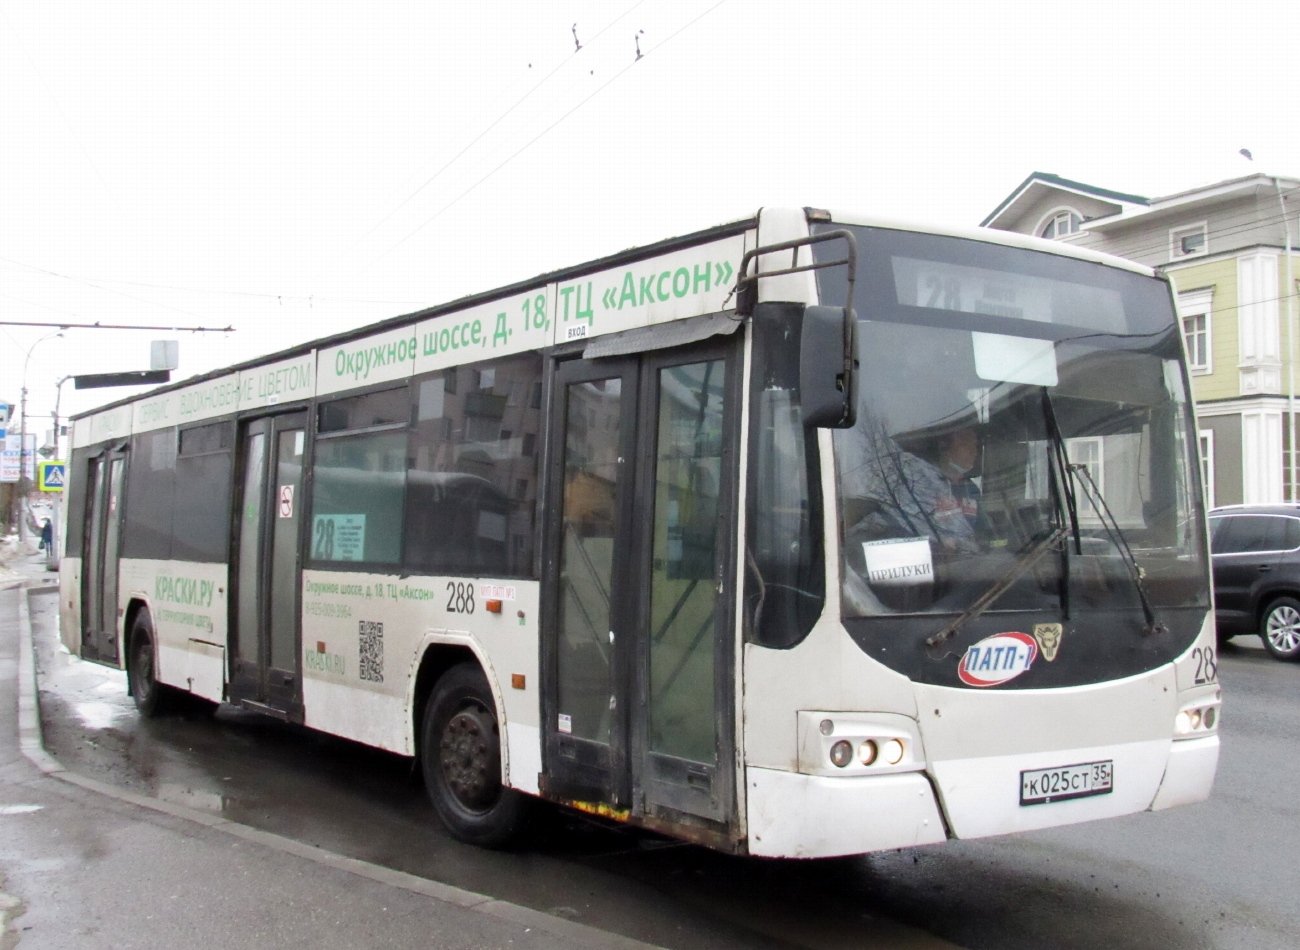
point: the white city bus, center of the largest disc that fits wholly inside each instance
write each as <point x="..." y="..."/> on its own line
<point x="801" y="536"/>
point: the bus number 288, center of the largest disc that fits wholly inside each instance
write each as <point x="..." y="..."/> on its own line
<point x="460" y="597"/>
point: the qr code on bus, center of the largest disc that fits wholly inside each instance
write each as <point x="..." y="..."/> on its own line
<point x="372" y="651"/>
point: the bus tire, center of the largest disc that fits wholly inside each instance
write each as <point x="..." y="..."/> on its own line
<point x="149" y="695"/>
<point x="461" y="761"/>
<point x="1280" y="628"/>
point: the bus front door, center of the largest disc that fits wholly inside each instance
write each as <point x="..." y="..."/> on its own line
<point x="638" y="645"/>
<point x="99" y="621"/>
<point x="265" y="660"/>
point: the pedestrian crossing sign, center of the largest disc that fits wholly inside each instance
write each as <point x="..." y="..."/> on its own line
<point x="49" y="476"/>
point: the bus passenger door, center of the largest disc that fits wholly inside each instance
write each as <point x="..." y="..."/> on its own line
<point x="584" y="657"/>
<point x="103" y="532"/>
<point x="265" y="660"/>
<point x="637" y="641"/>
<point x="684" y="735"/>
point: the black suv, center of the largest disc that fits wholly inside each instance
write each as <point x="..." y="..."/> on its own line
<point x="1256" y="554"/>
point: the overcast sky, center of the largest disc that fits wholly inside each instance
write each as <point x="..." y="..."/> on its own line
<point x="294" y="169"/>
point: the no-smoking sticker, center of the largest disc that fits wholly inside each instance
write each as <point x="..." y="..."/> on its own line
<point x="286" y="501"/>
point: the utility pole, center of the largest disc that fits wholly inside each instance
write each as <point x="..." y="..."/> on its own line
<point x="1291" y="341"/>
<point x="22" y="486"/>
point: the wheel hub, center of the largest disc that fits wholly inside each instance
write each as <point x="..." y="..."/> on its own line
<point x="467" y="756"/>
<point x="1282" y="628"/>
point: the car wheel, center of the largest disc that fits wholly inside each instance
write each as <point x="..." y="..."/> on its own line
<point x="150" y="696"/>
<point x="1280" y="628"/>
<point x="461" y="761"/>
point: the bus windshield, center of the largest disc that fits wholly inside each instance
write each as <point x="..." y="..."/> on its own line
<point x="1007" y="395"/>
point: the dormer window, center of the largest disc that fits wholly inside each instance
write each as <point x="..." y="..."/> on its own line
<point x="1060" y="225"/>
<point x="1189" y="242"/>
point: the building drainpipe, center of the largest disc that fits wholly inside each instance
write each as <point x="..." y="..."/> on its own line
<point x="1290" y="341"/>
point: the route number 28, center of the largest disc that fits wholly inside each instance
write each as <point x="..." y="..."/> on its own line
<point x="1207" y="665"/>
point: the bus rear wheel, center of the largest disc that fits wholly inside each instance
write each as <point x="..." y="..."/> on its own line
<point x="461" y="761"/>
<point x="149" y="695"/>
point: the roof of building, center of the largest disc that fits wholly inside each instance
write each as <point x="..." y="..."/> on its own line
<point x="1056" y="181"/>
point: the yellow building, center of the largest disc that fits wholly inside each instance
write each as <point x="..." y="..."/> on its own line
<point x="1228" y="250"/>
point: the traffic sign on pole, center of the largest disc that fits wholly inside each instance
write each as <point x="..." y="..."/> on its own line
<point x="49" y="476"/>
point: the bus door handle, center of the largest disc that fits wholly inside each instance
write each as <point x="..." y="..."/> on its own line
<point x="699" y="777"/>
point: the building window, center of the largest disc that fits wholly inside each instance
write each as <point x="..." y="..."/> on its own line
<point x="1061" y="224"/>
<point x="1194" y="308"/>
<point x="1206" y="441"/>
<point x="1196" y="333"/>
<point x="1087" y="453"/>
<point x="1189" y="242"/>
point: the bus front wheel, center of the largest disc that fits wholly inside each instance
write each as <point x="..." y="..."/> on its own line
<point x="461" y="761"/>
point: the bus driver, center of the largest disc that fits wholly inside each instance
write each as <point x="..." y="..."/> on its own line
<point x="924" y="494"/>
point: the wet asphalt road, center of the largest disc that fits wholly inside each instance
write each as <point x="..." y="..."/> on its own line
<point x="1218" y="874"/>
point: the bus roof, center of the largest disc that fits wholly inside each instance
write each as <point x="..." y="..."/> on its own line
<point x="568" y="273"/>
<point x="628" y="256"/>
<point x="994" y="236"/>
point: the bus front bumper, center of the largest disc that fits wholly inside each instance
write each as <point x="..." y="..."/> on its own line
<point x="792" y="815"/>
<point x="1189" y="776"/>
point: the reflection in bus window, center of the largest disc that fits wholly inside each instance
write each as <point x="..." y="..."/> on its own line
<point x="684" y="574"/>
<point x="472" y="476"/>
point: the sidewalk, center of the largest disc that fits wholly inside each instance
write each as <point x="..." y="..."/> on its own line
<point x="85" y="865"/>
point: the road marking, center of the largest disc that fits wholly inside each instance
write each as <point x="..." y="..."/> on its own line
<point x="19" y="809"/>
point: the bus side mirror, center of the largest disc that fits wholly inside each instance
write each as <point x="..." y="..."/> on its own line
<point x="828" y="392"/>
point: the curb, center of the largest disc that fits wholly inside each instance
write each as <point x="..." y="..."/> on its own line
<point x="33" y="747"/>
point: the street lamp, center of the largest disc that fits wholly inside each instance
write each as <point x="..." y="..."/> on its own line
<point x="23" y="487"/>
<point x="58" y="398"/>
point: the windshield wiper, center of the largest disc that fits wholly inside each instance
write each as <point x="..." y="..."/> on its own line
<point x="1098" y="502"/>
<point x="1003" y="584"/>
<point x="1118" y="539"/>
<point x="1061" y="489"/>
<point x="1065" y="507"/>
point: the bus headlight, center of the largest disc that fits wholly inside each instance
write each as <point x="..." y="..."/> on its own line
<point x="1196" y="720"/>
<point x="854" y="743"/>
<point x="892" y="751"/>
<point x="842" y="753"/>
<point x="867" y="752"/>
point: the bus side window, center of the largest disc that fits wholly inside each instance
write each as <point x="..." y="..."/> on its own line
<point x="359" y="478"/>
<point x="473" y="469"/>
<point x="150" y="490"/>
<point x="205" y="469"/>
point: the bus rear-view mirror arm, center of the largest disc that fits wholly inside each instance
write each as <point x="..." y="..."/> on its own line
<point x="828" y="392"/>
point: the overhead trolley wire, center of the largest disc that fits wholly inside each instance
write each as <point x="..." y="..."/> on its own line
<point x="209" y="292"/>
<point x="515" y="154"/>
<point x="1223" y="231"/>
<point x="1226" y="228"/>
<point x="495" y="122"/>
<point x="107" y="290"/>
